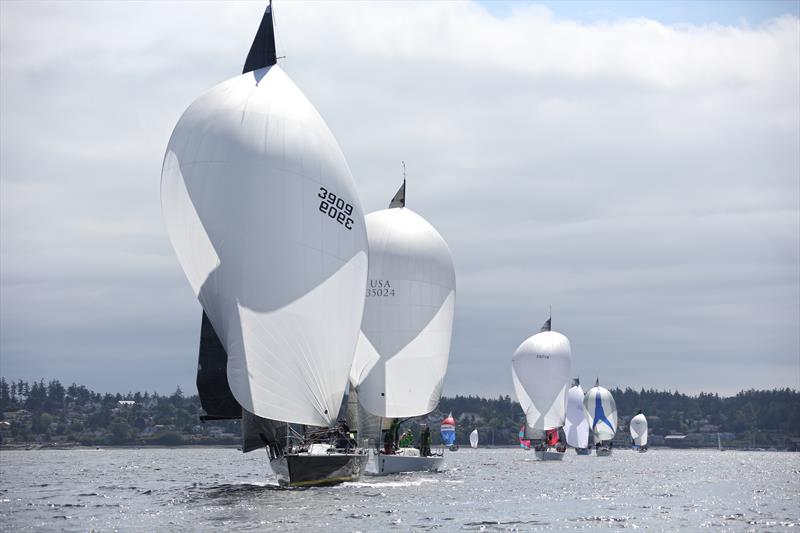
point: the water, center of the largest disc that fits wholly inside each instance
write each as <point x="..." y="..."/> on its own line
<point x="482" y="490"/>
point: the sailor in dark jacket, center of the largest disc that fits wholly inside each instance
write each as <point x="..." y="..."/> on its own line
<point x="425" y="442"/>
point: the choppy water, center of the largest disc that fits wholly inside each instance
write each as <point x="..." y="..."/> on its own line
<point x="482" y="490"/>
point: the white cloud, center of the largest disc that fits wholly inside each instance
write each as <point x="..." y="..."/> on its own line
<point x="641" y="178"/>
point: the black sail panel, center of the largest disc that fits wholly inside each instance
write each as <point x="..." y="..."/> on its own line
<point x="262" y="51"/>
<point x="399" y="199"/>
<point x="212" y="378"/>
<point x="260" y="432"/>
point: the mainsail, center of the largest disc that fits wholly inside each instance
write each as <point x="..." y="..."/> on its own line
<point x="404" y="345"/>
<point x="576" y="427"/>
<point x="263" y="214"/>
<point x="601" y="412"/>
<point x="540" y="369"/>
<point x="638" y="427"/>
<point x="473" y="438"/>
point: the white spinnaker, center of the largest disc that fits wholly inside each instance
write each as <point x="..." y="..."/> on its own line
<point x="638" y="427"/>
<point x="473" y="438"/>
<point x="402" y="352"/>
<point x="576" y="428"/>
<point x="603" y="422"/>
<point x="280" y="275"/>
<point x="540" y="369"/>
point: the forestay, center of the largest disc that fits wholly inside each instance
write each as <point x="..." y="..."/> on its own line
<point x="402" y="352"/>
<point x="576" y="428"/>
<point x="262" y="211"/>
<point x="540" y="369"/>
<point x="601" y="413"/>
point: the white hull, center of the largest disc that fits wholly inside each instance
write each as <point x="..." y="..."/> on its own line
<point x="549" y="455"/>
<point x="395" y="464"/>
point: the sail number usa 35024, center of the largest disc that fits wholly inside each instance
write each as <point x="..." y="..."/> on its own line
<point x="380" y="287"/>
<point x="336" y="208"/>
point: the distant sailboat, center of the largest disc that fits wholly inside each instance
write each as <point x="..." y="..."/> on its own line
<point x="638" y="428"/>
<point x="540" y="369"/>
<point x="601" y="414"/>
<point x="576" y="427"/>
<point x="448" y="432"/>
<point x="404" y="345"/>
<point x="524" y="443"/>
<point x="473" y="438"/>
<point x="263" y="214"/>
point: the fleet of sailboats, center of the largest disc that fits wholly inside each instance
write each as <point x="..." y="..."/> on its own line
<point x="304" y="296"/>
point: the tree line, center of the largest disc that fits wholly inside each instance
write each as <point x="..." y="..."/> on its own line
<point x="77" y="414"/>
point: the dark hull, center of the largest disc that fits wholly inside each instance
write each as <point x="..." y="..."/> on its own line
<point x="307" y="470"/>
<point x="583" y="451"/>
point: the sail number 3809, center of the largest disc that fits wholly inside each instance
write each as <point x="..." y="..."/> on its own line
<point x="336" y="208"/>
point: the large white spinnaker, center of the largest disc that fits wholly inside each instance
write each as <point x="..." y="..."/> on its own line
<point x="402" y="352"/>
<point x="638" y="427"/>
<point x="540" y="369"/>
<point x="263" y="213"/>
<point x="601" y="413"/>
<point x="576" y="428"/>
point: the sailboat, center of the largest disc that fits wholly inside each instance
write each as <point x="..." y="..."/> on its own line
<point x="473" y="438"/>
<point x="404" y="344"/>
<point x="638" y="429"/>
<point x="448" y="432"/>
<point x="524" y="443"/>
<point x="264" y="217"/>
<point x="601" y="414"/>
<point x="576" y="428"/>
<point x="540" y="368"/>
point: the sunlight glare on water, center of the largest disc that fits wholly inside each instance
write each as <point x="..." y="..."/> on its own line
<point x="501" y="489"/>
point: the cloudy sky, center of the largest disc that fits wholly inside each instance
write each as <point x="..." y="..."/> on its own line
<point x="636" y="166"/>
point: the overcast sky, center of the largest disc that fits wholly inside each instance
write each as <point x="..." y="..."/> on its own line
<point x="636" y="166"/>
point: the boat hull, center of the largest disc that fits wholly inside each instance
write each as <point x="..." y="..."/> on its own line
<point x="309" y="470"/>
<point x="549" y="455"/>
<point x="583" y="451"/>
<point x="603" y="452"/>
<point x="395" y="464"/>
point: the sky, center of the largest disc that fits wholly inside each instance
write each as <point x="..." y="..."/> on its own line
<point x="636" y="166"/>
